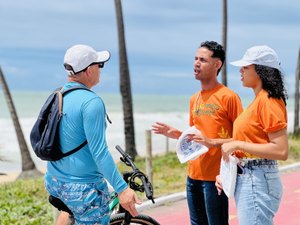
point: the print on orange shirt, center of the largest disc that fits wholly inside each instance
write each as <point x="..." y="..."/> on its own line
<point x="224" y="134"/>
<point x="204" y="109"/>
<point x="212" y="112"/>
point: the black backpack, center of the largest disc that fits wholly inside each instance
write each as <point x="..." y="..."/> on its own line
<point x="44" y="136"/>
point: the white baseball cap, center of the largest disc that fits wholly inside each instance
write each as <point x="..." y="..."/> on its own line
<point x="79" y="57"/>
<point x="259" y="55"/>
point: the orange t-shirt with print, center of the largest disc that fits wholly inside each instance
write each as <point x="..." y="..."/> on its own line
<point x="213" y="113"/>
<point x="264" y="115"/>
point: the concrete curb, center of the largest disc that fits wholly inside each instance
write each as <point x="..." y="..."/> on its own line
<point x="162" y="201"/>
<point x="289" y="167"/>
<point x="182" y="195"/>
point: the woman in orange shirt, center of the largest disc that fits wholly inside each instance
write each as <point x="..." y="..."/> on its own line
<point x="259" y="138"/>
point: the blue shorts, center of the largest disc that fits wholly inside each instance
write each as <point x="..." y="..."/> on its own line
<point x="258" y="193"/>
<point x="89" y="202"/>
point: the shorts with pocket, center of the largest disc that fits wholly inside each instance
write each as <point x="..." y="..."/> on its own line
<point x="89" y="202"/>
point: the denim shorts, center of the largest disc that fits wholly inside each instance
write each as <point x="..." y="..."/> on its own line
<point x="258" y="193"/>
<point x="87" y="201"/>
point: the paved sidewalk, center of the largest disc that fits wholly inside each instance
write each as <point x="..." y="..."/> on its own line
<point x="173" y="210"/>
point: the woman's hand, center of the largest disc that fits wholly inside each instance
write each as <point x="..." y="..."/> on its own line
<point x="200" y="138"/>
<point x="230" y="147"/>
<point x="219" y="184"/>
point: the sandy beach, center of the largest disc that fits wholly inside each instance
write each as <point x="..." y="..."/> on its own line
<point x="13" y="175"/>
<point x="9" y="177"/>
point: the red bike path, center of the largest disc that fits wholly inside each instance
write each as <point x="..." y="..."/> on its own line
<point x="176" y="213"/>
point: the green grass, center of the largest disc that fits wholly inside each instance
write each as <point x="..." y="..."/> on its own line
<point x="26" y="201"/>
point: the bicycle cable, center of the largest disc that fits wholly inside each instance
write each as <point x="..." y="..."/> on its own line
<point x="136" y="186"/>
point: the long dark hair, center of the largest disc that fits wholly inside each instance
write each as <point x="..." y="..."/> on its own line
<point x="272" y="82"/>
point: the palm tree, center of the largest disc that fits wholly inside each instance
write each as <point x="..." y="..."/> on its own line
<point x="28" y="166"/>
<point x="296" y="119"/>
<point x="125" y="86"/>
<point x="224" y="41"/>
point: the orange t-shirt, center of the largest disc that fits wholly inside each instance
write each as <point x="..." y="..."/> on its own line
<point x="264" y="115"/>
<point x="213" y="113"/>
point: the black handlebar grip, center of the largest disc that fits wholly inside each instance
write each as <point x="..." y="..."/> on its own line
<point x="121" y="151"/>
<point x="148" y="192"/>
<point x="126" y="157"/>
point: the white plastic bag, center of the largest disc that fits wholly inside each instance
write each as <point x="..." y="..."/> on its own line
<point x="228" y="173"/>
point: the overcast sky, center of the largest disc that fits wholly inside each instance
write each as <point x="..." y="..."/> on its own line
<point x="161" y="35"/>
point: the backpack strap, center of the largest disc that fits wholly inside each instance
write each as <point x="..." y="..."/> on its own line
<point x="59" y="103"/>
<point x="75" y="149"/>
<point x="61" y="93"/>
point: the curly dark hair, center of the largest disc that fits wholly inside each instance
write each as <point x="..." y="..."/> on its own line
<point x="217" y="49"/>
<point x="272" y="82"/>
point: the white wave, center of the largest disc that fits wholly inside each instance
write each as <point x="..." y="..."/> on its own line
<point x="9" y="147"/>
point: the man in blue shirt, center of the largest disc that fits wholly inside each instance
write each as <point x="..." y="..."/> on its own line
<point x="79" y="180"/>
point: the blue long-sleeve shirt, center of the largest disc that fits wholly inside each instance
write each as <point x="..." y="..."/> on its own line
<point x="84" y="118"/>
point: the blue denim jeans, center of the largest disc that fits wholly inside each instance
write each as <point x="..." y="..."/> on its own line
<point x="88" y="202"/>
<point x="257" y="195"/>
<point x="205" y="205"/>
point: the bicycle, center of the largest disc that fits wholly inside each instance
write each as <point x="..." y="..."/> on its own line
<point x="119" y="216"/>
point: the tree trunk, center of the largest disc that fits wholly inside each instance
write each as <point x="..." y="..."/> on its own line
<point x="224" y="42"/>
<point x="125" y="87"/>
<point x="296" y="118"/>
<point x="27" y="162"/>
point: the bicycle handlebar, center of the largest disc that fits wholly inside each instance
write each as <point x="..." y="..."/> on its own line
<point x="127" y="159"/>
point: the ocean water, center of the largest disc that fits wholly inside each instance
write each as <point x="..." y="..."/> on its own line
<point x="148" y="109"/>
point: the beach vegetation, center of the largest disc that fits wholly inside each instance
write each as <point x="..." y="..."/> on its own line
<point x="25" y="202"/>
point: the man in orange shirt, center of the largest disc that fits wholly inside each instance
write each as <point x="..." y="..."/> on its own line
<point x="212" y="111"/>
